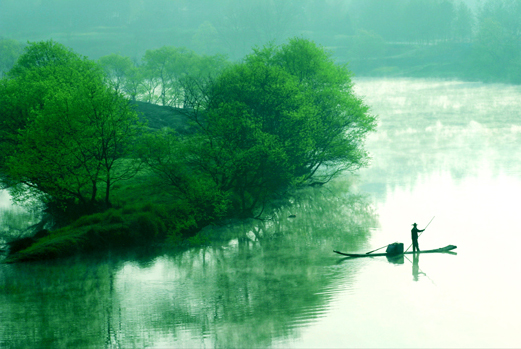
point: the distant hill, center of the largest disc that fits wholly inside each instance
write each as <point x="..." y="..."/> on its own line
<point x="158" y="116"/>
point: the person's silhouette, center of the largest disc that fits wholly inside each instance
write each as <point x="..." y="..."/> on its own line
<point x="414" y="236"/>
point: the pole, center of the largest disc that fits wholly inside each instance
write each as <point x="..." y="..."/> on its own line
<point x="421" y="232"/>
<point x="376" y="249"/>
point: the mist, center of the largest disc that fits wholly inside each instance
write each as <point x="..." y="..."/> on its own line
<point x="179" y="174"/>
<point x="433" y="38"/>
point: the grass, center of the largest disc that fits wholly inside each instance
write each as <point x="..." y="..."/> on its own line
<point x="143" y="213"/>
<point x="128" y="226"/>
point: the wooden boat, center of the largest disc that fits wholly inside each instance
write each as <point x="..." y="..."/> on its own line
<point x="438" y="250"/>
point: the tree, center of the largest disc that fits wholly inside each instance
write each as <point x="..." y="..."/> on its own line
<point x="67" y="133"/>
<point x="10" y="50"/>
<point x="164" y="70"/>
<point x="493" y="52"/>
<point x="463" y="23"/>
<point x="166" y="66"/>
<point x="506" y="12"/>
<point x="343" y="119"/>
<point x="285" y="116"/>
<point x="170" y="158"/>
<point x="133" y="84"/>
<point x="122" y="75"/>
<point x="496" y="50"/>
<point x="117" y="69"/>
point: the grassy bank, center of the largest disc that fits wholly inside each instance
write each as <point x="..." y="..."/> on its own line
<point x="440" y="60"/>
<point x="143" y="212"/>
<point x="115" y="228"/>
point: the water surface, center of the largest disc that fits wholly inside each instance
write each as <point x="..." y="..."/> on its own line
<point x="448" y="149"/>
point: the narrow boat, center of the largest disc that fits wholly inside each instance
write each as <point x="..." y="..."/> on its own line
<point x="440" y="250"/>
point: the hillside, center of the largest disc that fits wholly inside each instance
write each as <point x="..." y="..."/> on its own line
<point x="158" y="116"/>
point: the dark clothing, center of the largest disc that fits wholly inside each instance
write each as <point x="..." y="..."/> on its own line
<point x="414" y="236"/>
<point x="415" y="246"/>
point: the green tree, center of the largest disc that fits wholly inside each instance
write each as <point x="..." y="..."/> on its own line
<point x="497" y="48"/>
<point x="162" y="76"/>
<point x="164" y="68"/>
<point x="463" y="23"/>
<point x="68" y="133"/>
<point x="170" y="158"/>
<point x="133" y="83"/>
<point x="494" y="53"/>
<point x="505" y="12"/>
<point x="10" y="50"/>
<point x="117" y="69"/>
<point x="285" y="116"/>
<point x="122" y="74"/>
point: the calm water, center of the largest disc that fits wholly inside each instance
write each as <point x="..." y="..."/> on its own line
<point x="447" y="149"/>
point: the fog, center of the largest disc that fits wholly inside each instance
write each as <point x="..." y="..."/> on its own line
<point x="391" y="37"/>
<point x="442" y="76"/>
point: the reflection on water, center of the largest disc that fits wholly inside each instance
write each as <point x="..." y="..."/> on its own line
<point x="14" y="220"/>
<point x="450" y="149"/>
<point x="444" y="148"/>
<point x="272" y="279"/>
<point x="416" y="267"/>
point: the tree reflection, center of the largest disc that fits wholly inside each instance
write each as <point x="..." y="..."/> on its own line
<point x="266" y="283"/>
<point x="55" y="305"/>
<point x="262" y="282"/>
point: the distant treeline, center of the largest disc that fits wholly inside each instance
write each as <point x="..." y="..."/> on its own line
<point x="158" y="77"/>
<point x="437" y="38"/>
<point x="465" y="38"/>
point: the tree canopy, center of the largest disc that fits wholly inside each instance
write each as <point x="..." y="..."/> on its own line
<point x="159" y="77"/>
<point x="10" y="50"/>
<point x="64" y="132"/>
<point x="286" y="115"/>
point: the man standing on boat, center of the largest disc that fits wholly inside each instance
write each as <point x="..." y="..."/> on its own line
<point x="414" y="236"/>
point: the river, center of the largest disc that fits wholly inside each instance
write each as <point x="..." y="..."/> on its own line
<point x="444" y="149"/>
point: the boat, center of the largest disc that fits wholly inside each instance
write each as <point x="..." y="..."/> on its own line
<point x="447" y="248"/>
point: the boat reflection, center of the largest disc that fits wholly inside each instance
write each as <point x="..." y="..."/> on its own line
<point x="398" y="259"/>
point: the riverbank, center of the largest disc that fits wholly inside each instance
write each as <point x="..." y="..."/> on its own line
<point x="141" y="212"/>
<point x="129" y="226"/>
<point x="445" y="60"/>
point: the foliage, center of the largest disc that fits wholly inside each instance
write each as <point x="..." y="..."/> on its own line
<point x="165" y="69"/>
<point x="10" y="50"/>
<point x="159" y="79"/>
<point x="128" y="226"/>
<point x="410" y="28"/>
<point x="168" y="156"/>
<point x="496" y="54"/>
<point x="118" y="69"/>
<point x="67" y="133"/>
<point x="284" y="116"/>
<point x="464" y="22"/>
